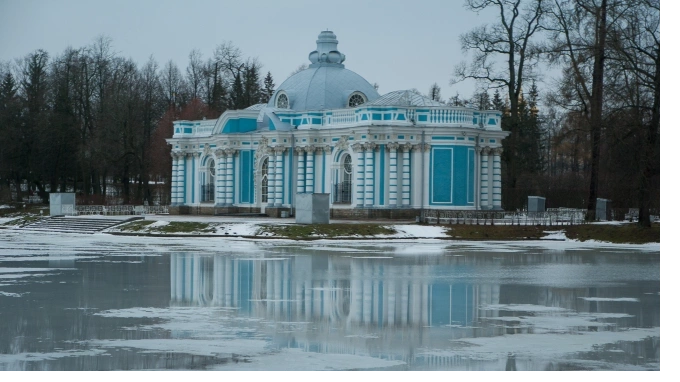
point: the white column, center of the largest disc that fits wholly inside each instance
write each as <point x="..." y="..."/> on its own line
<point x="497" y="178"/>
<point x="220" y="179"/>
<point x="359" y="178"/>
<point x="326" y="176"/>
<point x="196" y="176"/>
<point x="278" y="197"/>
<point x="230" y="189"/>
<point x="426" y="174"/>
<point x="484" y="184"/>
<point x="173" y="187"/>
<point x="300" y="151"/>
<point x="309" y="173"/>
<point x="369" y="174"/>
<point x="181" y="163"/>
<point x="406" y="175"/>
<point x="393" y="147"/>
<point x="271" y="178"/>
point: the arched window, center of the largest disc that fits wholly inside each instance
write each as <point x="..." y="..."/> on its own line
<point x="282" y="101"/>
<point x="264" y="185"/>
<point x="347" y="167"/>
<point x="356" y="99"/>
<point x="208" y="187"/>
<point x="343" y="189"/>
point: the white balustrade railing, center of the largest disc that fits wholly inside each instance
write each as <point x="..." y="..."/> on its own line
<point x="367" y="115"/>
<point x="342" y="117"/>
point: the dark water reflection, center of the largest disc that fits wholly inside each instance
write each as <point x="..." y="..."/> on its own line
<point x="300" y="308"/>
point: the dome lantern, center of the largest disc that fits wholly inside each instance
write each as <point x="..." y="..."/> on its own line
<point x="326" y="52"/>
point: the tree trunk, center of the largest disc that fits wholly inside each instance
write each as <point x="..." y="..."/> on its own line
<point x="648" y="152"/>
<point x="596" y="112"/>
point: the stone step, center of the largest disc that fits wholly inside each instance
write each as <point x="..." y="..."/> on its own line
<point x="74" y="225"/>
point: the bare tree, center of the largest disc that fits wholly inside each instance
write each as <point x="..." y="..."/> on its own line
<point x="578" y="31"/>
<point x="636" y="62"/>
<point x="195" y="74"/>
<point x="504" y="55"/>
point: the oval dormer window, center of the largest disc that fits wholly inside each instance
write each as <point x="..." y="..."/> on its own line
<point x="282" y="101"/>
<point x="356" y="99"/>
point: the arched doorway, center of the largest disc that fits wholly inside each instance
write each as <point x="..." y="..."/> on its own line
<point x="264" y="184"/>
<point x="208" y="182"/>
<point x="343" y="188"/>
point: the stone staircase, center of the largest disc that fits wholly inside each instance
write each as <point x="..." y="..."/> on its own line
<point x="75" y="224"/>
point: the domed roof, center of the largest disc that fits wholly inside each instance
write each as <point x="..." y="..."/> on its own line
<point x="326" y="84"/>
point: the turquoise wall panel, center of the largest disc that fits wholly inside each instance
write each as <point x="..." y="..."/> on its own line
<point x="442" y="161"/>
<point x="240" y="125"/>
<point x="246" y="186"/>
<point x="382" y="175"/>
<point x="460" y="173"/>
<point x="471" y="176"/>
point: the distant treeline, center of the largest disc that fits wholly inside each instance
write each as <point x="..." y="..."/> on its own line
<point x="89" y="119"/>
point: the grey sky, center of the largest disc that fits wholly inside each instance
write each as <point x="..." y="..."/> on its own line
<point x="398" y="44"/>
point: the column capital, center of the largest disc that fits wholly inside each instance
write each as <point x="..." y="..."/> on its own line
<point x="310" y="149"/>
<point x="370" y="146"/>
<point x="280" y="149"/>
<point x="486" y="150"/>
<point x="220" y="153"/>
<point x="230" y="152"/>
<point x="299" y="150"/>
<point x="327" y="149"/>
<point x="393" y="146"/>
<point x="357" y="147"/>
<point x="497" y="151"/>
<point x="196" y="154"/>
<point x="406" y="147"/>
<point x="421" y="147"/>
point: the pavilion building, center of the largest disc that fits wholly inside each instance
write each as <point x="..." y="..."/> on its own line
<point x="327" y="130"/>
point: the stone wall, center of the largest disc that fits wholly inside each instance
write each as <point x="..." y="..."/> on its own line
<point x="275" y="212"/>
<point x="374" y="213"/>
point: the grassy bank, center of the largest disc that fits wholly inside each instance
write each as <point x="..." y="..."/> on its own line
<point x="625" y="233"/>
<point x="300" y="231"/>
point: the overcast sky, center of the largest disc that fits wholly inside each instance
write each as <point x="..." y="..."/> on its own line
<point x="398" y="44"/>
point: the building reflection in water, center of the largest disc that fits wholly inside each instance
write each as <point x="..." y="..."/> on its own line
<point x="391" y="308"/>
<point x="352" y="291"/>
<point x="340" y="304"/>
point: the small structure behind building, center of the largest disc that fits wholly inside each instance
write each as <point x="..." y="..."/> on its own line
<point x="312" y="208"/>
<point x="62" y="203"/>
<point x="603" y="209"/>
<point x="536" y="204"/>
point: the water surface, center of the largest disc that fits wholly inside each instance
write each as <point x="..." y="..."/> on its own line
<point x="98" y="302"/>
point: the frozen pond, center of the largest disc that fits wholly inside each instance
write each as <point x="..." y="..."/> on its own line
<point x="101" y="302"/>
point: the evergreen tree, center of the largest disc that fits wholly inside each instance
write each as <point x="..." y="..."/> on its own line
<point x="269" y="87"/>
<point x="435" y="92"/>
<point x="236" y="94"/>
<point x="497" y="102"/>
<point x="252" y="91"/>
<point x="481" y="100"/>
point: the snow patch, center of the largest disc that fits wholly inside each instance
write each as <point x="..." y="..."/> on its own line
<point x="626" y="299"/>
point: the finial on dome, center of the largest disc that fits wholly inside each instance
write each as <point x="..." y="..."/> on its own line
<point x="326" y="52"/>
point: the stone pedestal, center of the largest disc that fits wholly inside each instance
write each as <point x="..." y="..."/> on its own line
<point x="312" y="208"/>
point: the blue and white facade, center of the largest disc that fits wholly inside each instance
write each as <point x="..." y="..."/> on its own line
<point x="327" y="130"/>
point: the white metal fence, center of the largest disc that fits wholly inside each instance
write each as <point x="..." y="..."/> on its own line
<point x="556" y="216"/>
<point x="120" y="210"/>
